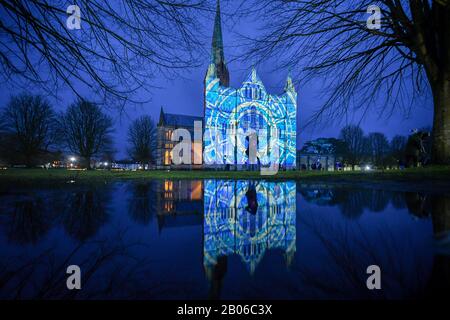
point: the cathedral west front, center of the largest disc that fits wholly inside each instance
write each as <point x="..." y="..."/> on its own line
<point x="232" y="115"/>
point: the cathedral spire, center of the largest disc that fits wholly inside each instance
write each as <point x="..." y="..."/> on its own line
<point x="289" y="84"/>
<point x="161" y="117"/>
<point x="217" y="40"/>
<point x="217" y="53"/>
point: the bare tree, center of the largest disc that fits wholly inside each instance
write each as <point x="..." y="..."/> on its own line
<point x="29" y="126"/>
<point x="398" y="146"/>
<point x="353" y="136"/>
<point x="86" y="130"/>
<point x="334" y="38"/>
<point x="378" y="147"/>
<point x="142" y="140"/>
<point x="118" y="47"/>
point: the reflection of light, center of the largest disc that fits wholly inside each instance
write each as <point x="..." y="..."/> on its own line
<point x="196" y="193"/>
<point x="230" y="229"/>
<point x="168" y="206"/>
<point x="168" y="185"/>
<point x="243" y="109"/>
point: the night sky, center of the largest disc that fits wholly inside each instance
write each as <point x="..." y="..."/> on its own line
<point x="184" y="94"/>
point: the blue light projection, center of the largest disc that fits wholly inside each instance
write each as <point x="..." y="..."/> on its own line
<point x="246" y="110"/>
<point x="247" y="218"/>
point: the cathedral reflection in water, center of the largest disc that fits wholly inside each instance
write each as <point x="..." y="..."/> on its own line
<point x="247" y="218"/>
<point x="243" y="218"/>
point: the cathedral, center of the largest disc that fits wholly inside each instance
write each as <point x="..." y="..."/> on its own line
<point x="235" y="118"/>
<point x="231" y="115"/>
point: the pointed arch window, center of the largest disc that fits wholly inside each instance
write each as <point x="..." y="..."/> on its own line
<point x="169" y="134"/>
<point x="167" y="158"/>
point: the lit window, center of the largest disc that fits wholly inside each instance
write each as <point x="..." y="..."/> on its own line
<point x="168" y="185"/>
<point x="167" y="158"/>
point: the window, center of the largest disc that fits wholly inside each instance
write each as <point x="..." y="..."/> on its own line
<point x="168" y="185"/>
<point x="169" y="135"/>
<point x="168" y="206"/>
<point x="167" y="158"/>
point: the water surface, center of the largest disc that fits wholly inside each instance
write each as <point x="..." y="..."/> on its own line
<point x="222" y="239"/>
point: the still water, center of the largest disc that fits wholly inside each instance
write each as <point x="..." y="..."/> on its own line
<point x="222" y="239"/>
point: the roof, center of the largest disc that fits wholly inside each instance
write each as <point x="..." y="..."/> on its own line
<point x="254" y="78"/>
<point x="217" y="50"/>
<point x="217" y="55"/>
<point x="177" y="120"/>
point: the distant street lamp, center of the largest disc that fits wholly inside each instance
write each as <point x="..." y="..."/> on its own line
<point x="72" y="160"/>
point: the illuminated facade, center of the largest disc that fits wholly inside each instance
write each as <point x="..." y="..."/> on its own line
<point x="231" y="120"/>
<point x="167" y="124"/>
<point x="231" y="115"/>
<point x="179" y="203"/>
<point x="247" y="219"/>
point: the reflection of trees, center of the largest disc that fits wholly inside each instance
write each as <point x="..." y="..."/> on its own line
<point x="418" y="204"/>
<point x="398" y="200"/>
<point x="379" y="199"/>
<point x="325" y="197"/>
<point x="441" y="214"/>
<point x="86" y="211"/>
<point x="142" y="203"/>
<point x="349" y="250"/>
<point x="440" y="281"/>
<point x="29" y="222"/>
<point x="353" y="202"/>
<point x="350" y="201"/>
<point x="109" y="270"/>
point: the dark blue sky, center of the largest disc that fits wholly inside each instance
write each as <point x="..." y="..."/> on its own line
<point x="184" y="95"/>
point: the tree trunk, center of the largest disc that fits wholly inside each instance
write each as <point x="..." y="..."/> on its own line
<point x="441" y="122"/>
<point x="88" y="163"/>
<point x="440" y="215"/>
<point x="28" y="161"/>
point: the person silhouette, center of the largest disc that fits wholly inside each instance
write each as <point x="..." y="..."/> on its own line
<point x="252" y="143"/>
<point x="252" y="199"/>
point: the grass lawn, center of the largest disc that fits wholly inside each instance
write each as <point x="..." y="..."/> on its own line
<point x="36" y="176"/>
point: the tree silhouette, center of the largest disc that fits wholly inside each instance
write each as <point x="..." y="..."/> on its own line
<point x="86" y="130"/>
<point x="118" y="47"/>
<point x="28" y="127"/>
<point x="335" y="39"/>
<point x="142" y="140"/>
<point x="378" y="147"/>
<point x="398" y="146"/>
<point x="353" y="136"/>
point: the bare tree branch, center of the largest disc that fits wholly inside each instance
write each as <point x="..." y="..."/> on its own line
<point x="117" y="51"/>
